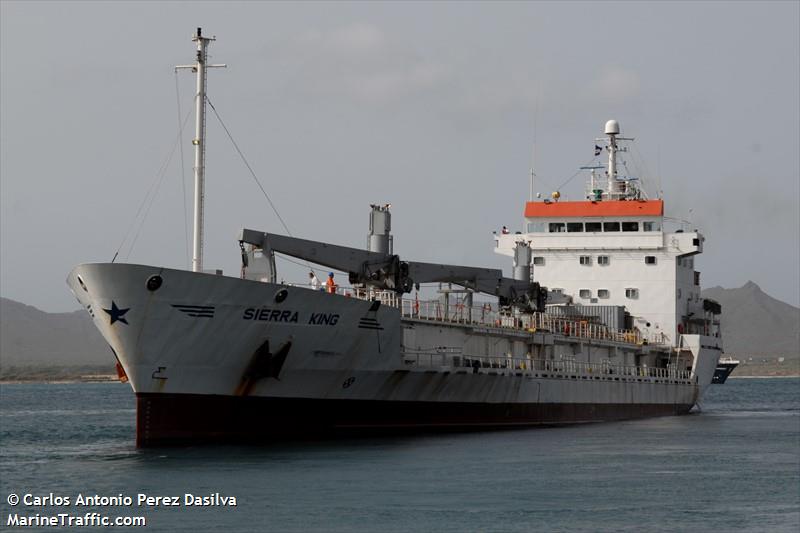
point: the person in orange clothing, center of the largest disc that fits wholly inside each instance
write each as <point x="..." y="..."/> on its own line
<point x="330" y="285"/>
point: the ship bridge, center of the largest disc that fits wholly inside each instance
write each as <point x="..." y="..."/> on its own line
<point x="612" y="249"/>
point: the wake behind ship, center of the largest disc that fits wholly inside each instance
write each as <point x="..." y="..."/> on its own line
<point x="621" y="332"/>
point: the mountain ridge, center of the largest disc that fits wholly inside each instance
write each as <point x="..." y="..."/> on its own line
<point x="753" y="324"/>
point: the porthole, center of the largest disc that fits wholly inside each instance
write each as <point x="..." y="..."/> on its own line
<point x="154" y="283"/>
<point x="281" y="295"/>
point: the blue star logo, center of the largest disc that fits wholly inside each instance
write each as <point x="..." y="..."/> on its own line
<point x="116" y="313"/>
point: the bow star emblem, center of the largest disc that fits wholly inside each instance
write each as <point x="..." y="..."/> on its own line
<point x="116" y="313"/>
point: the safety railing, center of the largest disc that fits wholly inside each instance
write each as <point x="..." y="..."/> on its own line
<point x="444" y="358"/>
<point x="487" y="314"/>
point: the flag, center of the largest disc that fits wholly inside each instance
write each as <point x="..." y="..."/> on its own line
<point x="597" y="150"/>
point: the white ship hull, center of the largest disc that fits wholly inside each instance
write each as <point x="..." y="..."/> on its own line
<point x="215" y="358"/>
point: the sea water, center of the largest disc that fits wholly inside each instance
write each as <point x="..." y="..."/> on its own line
<point x="734" y="466"/>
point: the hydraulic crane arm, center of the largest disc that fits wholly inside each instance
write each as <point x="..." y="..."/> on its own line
<point x="387" y="271"/>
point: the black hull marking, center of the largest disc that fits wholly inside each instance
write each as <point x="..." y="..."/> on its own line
<point x="181" y="419"/>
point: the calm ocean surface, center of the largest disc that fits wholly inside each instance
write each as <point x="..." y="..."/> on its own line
<point x="733" y="467"/>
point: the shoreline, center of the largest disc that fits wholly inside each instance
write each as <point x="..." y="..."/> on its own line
<point x="765" y="377"/>
<point x="100" y="378"/>
<point x="114" y="379"/>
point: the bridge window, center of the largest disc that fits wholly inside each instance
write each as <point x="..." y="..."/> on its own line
<point x="574" y="227"/>
<point x="630" y="226"/>
<point x="586" y="260"/>
<point x="556" y="227"/>
<point x="632" y="293"/>
<point x="536" y="227"/>
<point x="610" y="226"/>
<point x="649" y="260"/>
<point x="603" y="293"/>
<point x="585" y="293"/>
<point x="651" y="226"/>
<point x="538" y="261"/>
<point x="594" y="226"/>
<point x="603" y="260"/>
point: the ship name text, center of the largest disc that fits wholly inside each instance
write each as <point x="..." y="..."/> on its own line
<point x="292" y="317"/>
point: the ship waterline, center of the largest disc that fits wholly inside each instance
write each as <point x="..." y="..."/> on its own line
<point x="183" y="419"/>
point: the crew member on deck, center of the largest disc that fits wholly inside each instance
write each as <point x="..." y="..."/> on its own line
<point x="330" y="284"/>
<point x="314" y="281"/>
<point x="505" y="230"/>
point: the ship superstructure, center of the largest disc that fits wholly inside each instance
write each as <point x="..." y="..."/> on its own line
<point x="614" y="249"/>
<point x="216" y="358"/>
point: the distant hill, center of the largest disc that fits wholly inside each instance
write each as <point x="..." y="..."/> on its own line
<point x="754" y="323"/>
<point x="29" y="336"/>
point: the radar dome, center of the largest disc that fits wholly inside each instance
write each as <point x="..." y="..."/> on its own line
<point x="612" y="127"/>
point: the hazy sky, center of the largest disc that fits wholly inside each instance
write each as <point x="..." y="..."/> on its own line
<point x="430" y="107"/>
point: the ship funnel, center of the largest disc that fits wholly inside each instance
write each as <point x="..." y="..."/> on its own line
<point x="522" y="261"/>
<point x="380" y="225"/>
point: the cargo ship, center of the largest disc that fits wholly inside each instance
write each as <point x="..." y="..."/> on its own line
<point x="601" y="320"/>
<point x="725" y="368"/>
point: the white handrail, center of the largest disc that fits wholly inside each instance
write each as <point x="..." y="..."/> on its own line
<point x="490" y="316"/>
<point x="443" y="358"/>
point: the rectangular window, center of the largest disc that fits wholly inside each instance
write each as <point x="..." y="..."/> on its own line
<point x="697" y="279"/>
<point x="586" y="260"/>
<point x="556" y="227"/>
<point x="649" y="260"/>
<point x="536" y="227"/>
<point x="630" y="226"/>
<point x="632" y="293"/>
<point x="610" y="226"/>
<point x="574" y="227"/>
<point x="603" y="260"/>
<point x="538" y="261"/>
<point x="585" y="293"/>
<point x="557" y="291"/>
<point x="594" y="226"/>
<point x="679" y="261"/>
<point x="603" y="293"/>
<point x="650" y="226"/>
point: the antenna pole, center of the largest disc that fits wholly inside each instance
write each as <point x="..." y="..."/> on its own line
<point x="612" y="164"/>
<point x="530" y="196"/>
<point x="199" y="150"/>
<point x="199" y="67"/>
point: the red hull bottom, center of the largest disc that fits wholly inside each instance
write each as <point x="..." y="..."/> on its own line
<point x="180" y="419"/>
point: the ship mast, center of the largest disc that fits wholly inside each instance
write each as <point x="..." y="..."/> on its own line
<point x="617" y="189"/>
<point x="199" y="68"/>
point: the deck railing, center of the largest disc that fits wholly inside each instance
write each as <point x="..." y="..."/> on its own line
<point x="489" y="315"/>
<point x="449" y="359"/>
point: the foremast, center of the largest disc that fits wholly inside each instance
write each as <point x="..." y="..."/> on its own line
<point x="199" y="67"/>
